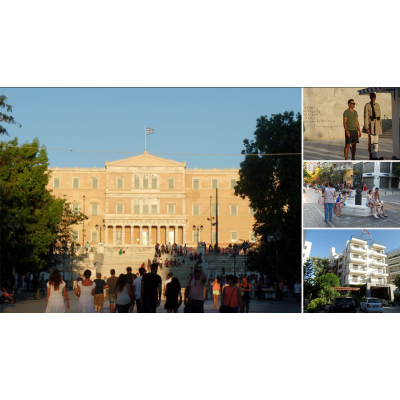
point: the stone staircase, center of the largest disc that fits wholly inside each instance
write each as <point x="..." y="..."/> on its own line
<point x="387" y="133"/>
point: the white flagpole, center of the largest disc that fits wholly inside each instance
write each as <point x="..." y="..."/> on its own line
<point x="145" y="128"/>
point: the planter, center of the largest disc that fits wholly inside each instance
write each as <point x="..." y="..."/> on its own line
<point x="91" y="256"/>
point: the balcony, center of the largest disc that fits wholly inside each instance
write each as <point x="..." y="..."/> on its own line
<point x="358" y="249"/>
<point x="357" y="269"/>
<point x="378" y="246"/>
<point x="380" y="281"/>
<point x="358" y="259"/>
<point x="379" y="272"/>
<point x="379" y="254"/>
<point x="379" y="263"/>
<point x="358" y="241"/>
<point x="395" y="271"/>
<point x="358" y="281"/>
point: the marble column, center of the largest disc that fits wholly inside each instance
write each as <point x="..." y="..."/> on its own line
<point x="106" y="236"/>
<point x="149" y="228"/>
<point x="175" y="234"/>
<point x="140" y="234"/>
<point x="114" y="227"/>
<point x="184" y="234"/>
<point x="167" y="234"/>
<point x="123" y="235"/>
<point x="131" y="235"/>
<point x="158" y="233"/>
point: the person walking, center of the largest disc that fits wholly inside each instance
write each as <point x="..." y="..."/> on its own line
<point x="170" y="275"/>
<point x="85" y="292"/>
<point x="129" y="279"/>
<point x="137" y="284"/>
<point x="231" y="299"/>
<point x="151" y="290"/>
<point x="297" y="291"/>
<point x="55" y="290"/>
<point x="111" y="284"/>
<point x="245" y="290"/>
<point x="351" y="126"/>
<point x="373" y="125"/>
<point x="216" y="291"/>
<point x="123" y="292"/>
<point x="173" y="295"/>
<point x="329" y="198"/>
<point x="194" y="292"/>
<point x="99" y="293"/>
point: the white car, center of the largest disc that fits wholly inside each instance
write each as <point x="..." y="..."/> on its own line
<point x="371" y="304"/>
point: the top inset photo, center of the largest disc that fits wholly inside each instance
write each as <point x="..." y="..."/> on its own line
<point x="351" y="123"/>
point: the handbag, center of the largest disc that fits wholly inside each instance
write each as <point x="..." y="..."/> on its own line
<point x="321" y="200"/>
<point x="223" y="308"/>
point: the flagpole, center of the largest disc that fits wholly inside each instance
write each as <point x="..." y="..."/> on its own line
<point x="145" y="138"/>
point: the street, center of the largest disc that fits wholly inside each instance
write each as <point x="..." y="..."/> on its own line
<point x="334" y="149"/>
<point x="313" y="214"/>
<point x="31" y="305"/>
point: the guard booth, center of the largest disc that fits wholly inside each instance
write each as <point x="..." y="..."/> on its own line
<point x="395" y="93"/>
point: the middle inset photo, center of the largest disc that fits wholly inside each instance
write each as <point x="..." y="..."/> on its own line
<point x="351" y="195"/>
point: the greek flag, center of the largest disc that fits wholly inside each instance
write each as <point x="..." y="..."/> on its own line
<point x="149" y="131"/>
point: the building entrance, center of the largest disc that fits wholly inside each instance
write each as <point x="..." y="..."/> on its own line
<point x="381" y="293"/>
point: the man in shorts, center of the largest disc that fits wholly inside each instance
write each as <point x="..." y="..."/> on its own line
<point x="111" y="283"/>
<point x="351" y="126"/>
<point x="99" y="293"/>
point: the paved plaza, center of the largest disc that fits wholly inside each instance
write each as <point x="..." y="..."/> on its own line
<point x="314" y="217"/>
<point x="334" y="149"/>
<point x="386" y="310"/>
<point x="28" y="304"/>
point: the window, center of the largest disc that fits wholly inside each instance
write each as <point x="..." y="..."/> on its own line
<point x="233" y="183"/>
<point x="252" y="237"/>
<point x="94" y="209"/>
<point x="195" y="184"/>
<point x="145" y="181"/>
<point x="75" y="208"/>
<point x="214" y="183"/>
<point x="251" y="212"/>
<point x="75" y="183"/>
<point x="93" y="236"/>
<point x="170" y="208"/>
<point x="171" y="183"/>
<point x="75" y="236"/>
<point x="195" y="209"/>
<point x="136" y="206"/>
<point x="120" y="183"/>
<point x="56" y="183"/>
<point x="137" y="182"/>
<point x="120" y="208"/>
<point x="154" y="182"/>
<point x="213" y="210"/>
<point x="234" y="210"/>
<point x="145" y="206"/>
<point x="94" y="183"/>
<point x="233" y="237"/>
<point x="154" y="206"/>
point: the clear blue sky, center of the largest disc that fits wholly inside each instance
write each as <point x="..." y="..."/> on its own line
<point x="113" y="120"/>
<point x="323" y="239"/>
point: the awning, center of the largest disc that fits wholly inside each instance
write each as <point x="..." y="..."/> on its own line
<point x="343" y="289"/>
<point x="375" y="89"/>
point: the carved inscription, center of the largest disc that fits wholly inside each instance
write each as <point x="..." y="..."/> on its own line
<point x="313" y="116"/>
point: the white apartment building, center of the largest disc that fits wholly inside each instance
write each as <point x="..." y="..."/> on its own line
<point x="363" y="261"/>
<point x="306" y="251"/>
<point x="393" y="259"/>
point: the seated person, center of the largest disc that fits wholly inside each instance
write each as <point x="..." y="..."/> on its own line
<point x="5" y="296"/>
<point x="372" y="204"/>
<point x="340" y="203"/>
<point x="379" y="202"/>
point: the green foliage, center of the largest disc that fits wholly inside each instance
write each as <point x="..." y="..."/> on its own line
<point x="397" y="282"/>
<point x="315" y="267"/>
<point x="327" y="293"/>
<point x="397" y="298"/>
<point x="328" y="279"/>
<point x="357" y="299"/>
<point x="6" y="117"/>
<point x="31" y="218"/>
<point x="272" y="185"/>
<point x="316" y="305"/>
<point x="396" y="169"/>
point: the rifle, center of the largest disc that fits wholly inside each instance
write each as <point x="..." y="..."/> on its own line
<point x="370" y="147"/>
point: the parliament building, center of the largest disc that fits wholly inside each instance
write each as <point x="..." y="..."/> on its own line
<point x="144" y="200"/>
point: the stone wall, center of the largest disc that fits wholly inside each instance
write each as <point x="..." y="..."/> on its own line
<point x="218" y="261"/>
<point x="323" y="111"/>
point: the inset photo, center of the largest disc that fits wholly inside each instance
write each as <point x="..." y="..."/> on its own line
<point x="351" y="123"/>
<point x="351" y="194"/>
<point x="350" y="271"/>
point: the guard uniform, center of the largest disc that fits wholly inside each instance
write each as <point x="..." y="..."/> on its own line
<point x="374" y="124"/>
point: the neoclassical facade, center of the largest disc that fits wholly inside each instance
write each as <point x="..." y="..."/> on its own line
<point x="146" y="199"/>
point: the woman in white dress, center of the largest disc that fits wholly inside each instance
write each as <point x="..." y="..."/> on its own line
<point x="85" y="292"/>
<point x="55" y="289"/>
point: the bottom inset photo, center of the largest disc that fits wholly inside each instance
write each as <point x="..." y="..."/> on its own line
<point x="351" y="271"/>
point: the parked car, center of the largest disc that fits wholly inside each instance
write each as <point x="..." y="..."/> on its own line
<point x="371" y="304"/>
<point x="343" y="304"/>
<point x="310" y="185"/>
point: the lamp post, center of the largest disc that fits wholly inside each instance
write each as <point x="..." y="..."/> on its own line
<point x="245" y="247"/>
<point x="64" y="248"/>
<point x="83" y="226"/>
<point x="275" y="238"/>
<point x="198" y="229"/>
<point x="99" y="228"/>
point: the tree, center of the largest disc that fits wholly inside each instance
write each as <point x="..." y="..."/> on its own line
<point x="396" y="170"/>
<point x="313" y="268"/>
<point x="5" y="117"/>
<point x="271" y="182"/>
<point x="328" y="279"/>
<point x="307" y="177"/>
<point x="30" y="216"/>
<point x="397" y="282"/>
